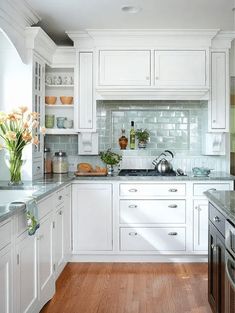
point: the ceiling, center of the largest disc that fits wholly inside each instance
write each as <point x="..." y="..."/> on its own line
<point x="59" y="16"/>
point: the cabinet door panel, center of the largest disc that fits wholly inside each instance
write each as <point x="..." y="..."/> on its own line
<point x="26" y="274"/>
<point x="218" y="91"/>
<point x="124" y="68"/>
<point x="86" y="90"/>
<point x="59" y="246"/>
<point x="45" y="260"/>
<point x="92" y="217"/>
<point x="179" y="68"/>
<point x="200" y="225"/>
<point x="6" y="287"/>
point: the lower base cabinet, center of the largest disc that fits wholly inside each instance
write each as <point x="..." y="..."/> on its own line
<point x="6" y="284"/>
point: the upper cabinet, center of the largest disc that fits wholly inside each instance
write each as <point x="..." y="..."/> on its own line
<point x="180" y="68"/>
<point x="124" y="68"/>
<point x="219" y="104"/>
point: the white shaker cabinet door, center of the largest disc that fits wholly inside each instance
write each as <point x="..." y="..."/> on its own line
<point x="92" y="217"/>
<point x="46" y="281"/>
<point x="59" y="239"/>
<point x="86" y="110"/>
<point x="218" y="109"/>
<point x="26" y="274"/>
<point x="200" y="225"/>
<point x="180" y="68"/>
<point x="6" y="287"/>
<point x="124" y="68"/>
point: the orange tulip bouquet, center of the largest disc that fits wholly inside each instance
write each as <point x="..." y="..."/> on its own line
<point x="18" y="129"/>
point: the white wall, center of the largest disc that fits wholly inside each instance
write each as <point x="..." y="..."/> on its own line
<point x="15" y="77"/>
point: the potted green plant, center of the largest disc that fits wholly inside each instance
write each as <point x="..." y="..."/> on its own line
<point x="110" y="158"/>
<point x="142" y="136"/>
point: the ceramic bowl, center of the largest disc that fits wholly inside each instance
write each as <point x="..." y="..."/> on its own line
<point x="66" y="100"/>
<point x="201" y="171"/>
<point x="50" y="99"/>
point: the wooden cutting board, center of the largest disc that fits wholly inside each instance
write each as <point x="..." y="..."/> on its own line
<point x="90" y="174"/>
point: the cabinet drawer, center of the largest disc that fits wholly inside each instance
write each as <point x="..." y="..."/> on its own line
<point x="152" y="211"/>
<point x="217" y="219"/>
<point x="152" y="239"/>
<point x="198" y="189"/>
<point x="45" y="206"/>
<point x="5" y="234"/>
<point x="152" y="190"/>
<point x="60" y="197"/>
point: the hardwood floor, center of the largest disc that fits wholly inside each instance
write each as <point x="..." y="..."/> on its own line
<point x="131" y="288"/>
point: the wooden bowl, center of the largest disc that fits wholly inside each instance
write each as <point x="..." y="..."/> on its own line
<point x="66" y="100"/>
<point x="50" y="99"/>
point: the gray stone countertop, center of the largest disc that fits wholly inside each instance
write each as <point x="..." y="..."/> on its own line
<point x="224" y="202"/>
<point x="220" y="176"/>
<point x="37" y="189"/>
<point x="50" y="183"/>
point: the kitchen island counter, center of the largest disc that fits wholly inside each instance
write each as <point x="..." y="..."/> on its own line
<point x="224" y="202"/>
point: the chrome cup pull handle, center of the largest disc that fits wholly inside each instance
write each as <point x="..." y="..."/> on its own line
<point x="133" y="206"/>
<point x="133" y="233"/>
<point x="173" y="233"/>
<point x="173" y="206"/>
<point x="173" y="190"/>
<point x="133" y="190"/>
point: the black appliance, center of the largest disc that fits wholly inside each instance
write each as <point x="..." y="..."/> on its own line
<point x="229" y="267"/>
<point x="144" y="172"/>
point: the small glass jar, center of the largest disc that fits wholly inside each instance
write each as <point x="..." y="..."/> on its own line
<point x="47" y="161"/>
<point x="60" y="163"/>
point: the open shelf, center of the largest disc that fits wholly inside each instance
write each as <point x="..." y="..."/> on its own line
<point x="51" y="106"/>
<point x="61" y="131"/>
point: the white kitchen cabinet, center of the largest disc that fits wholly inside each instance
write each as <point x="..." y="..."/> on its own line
<point x="200" y="225"/>
<point x="180" y="69"/>
<point x="153" y="239"/>
<point x="124" y="68"/>
<point x="46" y="282"/>
<point x="86" y="120"/>
<point x="219" y="104"/>
<point x="25" y="281"/>
<point x="92" y="217"/>
<point x="6" y="283"/>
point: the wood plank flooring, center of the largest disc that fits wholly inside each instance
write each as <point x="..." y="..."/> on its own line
<point x="131" y="288"/>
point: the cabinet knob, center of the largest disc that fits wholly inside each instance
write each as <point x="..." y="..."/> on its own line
<point x="173" y="190"/>
<point x="61" y="212"/>
<point x="173" y="233"/>
<point x="60" y="197"/>
<point x="216" y="219"/>
<point x="133" y="190"/>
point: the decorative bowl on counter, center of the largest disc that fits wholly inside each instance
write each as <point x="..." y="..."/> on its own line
<point x="201" y="171"/>
<point x="50" y="99"/>
<point x="66" y="100"/>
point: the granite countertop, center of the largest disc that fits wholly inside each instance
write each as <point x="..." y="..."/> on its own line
<point x="51" y="182"/>
<point x="37" y="189"/>
<point x="213" y="176"/>
<point x="224" y="201"/>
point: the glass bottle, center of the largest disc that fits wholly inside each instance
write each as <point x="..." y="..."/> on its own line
<point x="123" y="141"/>
<point x="47" y="161"/>
<point x="132" y="136"/>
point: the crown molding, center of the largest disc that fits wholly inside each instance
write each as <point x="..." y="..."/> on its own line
<point x="223" y="40"/>
<point x="139" y="37"/>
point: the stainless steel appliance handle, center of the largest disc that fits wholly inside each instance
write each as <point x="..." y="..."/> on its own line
<point x="232" y="262"/>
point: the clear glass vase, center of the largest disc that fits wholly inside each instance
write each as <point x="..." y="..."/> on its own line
<point x="14" y="162"/>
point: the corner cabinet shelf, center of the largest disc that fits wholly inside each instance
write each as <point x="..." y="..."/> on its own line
<point x="60" y="131"/>
<point x="59" y="82"/>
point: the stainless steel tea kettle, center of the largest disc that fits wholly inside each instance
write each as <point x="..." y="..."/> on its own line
<point x="162" y="163"/>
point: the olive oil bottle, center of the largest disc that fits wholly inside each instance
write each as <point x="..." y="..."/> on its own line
<point x="132" y="136"/>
